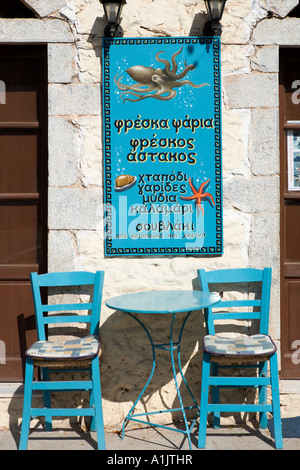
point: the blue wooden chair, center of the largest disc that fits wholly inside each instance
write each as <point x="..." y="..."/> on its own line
<point x="243" y="351"/>
<point x="81" y="353"/>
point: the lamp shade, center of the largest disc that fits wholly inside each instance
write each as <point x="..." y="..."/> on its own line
<point x="215" y="9"/>
<point x="112" y="10"/>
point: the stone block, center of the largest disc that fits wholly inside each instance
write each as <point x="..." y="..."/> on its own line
<point x="278" y="7"/>
<point x="158" y="19"/>
<point x="62" y="254"/>
<point x="258" y="194"/>
<point x="61" y="63"/>
<point x="264" y="242"/>
<point x="27" y="30"/>
<point x="86" y="16"/>
<point x="266" y="59"/>
<point x="235" y="135"/>
<point x="43" y="8"/>
<point x="264" y="250"/>
<point x="64" y="149"/>
<point x="236" y="228"/>
<point x="252" y="90"/>
<point x="90" y="248"/>
<point x="74" y="208"/>
<point x="264" y="141"/>
<point x="236" y="58"/>
<point x="275" y="31"/>
<point x="78" y="99"/>
<point x="69" y="13"/>
<point x="90" y="64"/>
<point x="239" y="19"/>
<point x="91" y="150"/>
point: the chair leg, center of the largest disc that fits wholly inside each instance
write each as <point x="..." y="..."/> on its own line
<point x="263" y="418"/>
<point x="27" y="404"/>
<point x="276" y="401"/>
<point x="46" y="399"/>
<point x="204" y="400"/>
<point x="92" y="402"/>
<point x="215" y="397"/>
<point x="96" y="397"/>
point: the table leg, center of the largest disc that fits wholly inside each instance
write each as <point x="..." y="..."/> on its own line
<point x="149" y="379"/>
<point x="179" y="360"/>
<point x="171" y="346"/>
<point x="174" y="346"/>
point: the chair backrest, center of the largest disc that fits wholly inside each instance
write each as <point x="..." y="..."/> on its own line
<point x="246" y="280"/>
<point x="46" y="313"/>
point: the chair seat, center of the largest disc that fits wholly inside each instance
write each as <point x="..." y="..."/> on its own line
<point x="81" y="348"/>
<point x="254" y="345"/>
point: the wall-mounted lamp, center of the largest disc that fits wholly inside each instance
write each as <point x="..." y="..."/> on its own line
<point x="112" y="11"/>
<point x="215" y="10"/>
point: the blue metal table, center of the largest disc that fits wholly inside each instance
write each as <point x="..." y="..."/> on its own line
<point x="164" y="302"/>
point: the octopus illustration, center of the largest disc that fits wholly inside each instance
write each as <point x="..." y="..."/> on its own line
<point x="156" y="83"/>
<point x="198" y="195"/>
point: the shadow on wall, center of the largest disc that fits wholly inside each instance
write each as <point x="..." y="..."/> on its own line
<point x="97" y="31"/>
<point x="97" y="34"/>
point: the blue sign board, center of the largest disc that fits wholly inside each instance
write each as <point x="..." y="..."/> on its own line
<point x="162" y="146"/>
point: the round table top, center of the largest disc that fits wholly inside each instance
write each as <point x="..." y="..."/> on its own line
<point x="163" y="301"/>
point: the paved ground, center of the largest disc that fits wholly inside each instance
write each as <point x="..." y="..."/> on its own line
<point x="156" y="439"/>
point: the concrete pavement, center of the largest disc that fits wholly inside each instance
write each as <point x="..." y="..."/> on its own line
<point x="241" y="437"/>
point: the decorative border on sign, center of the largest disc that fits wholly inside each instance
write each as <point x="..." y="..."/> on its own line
<point x="109" y="249"/>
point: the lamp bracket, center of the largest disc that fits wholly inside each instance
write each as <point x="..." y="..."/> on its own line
<point x="212" y="28"/>
<point x="113" y="31"/>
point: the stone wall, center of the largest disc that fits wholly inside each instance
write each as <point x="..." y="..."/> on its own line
<point x="252" y="32"/>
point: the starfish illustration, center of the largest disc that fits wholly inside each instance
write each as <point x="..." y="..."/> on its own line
<point x="199" y="195"/>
